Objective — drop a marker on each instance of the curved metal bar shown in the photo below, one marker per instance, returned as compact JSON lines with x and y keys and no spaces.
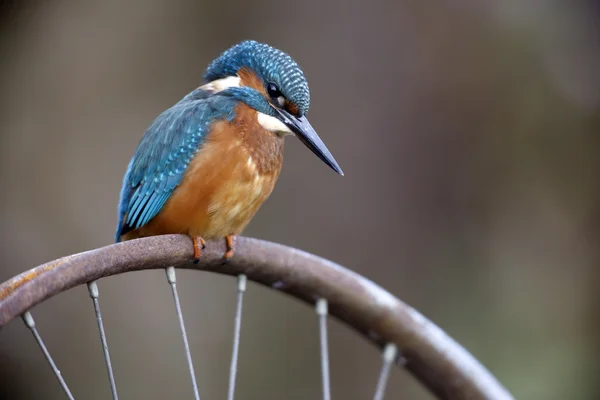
{"x":441,"y":364}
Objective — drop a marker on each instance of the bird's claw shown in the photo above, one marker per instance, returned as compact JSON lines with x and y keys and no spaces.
{"x":230,"y":244}
{"x":199,"y":245}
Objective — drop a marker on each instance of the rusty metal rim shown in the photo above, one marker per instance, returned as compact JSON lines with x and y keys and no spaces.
{"x":441,"y":364}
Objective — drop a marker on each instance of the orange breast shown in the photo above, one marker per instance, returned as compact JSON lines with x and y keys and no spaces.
{"x":225,"y":184}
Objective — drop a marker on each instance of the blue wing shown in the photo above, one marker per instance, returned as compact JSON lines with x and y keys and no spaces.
{"x":164,"y":154}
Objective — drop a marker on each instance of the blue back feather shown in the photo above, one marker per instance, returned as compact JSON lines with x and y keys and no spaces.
{"x":164,"y":154}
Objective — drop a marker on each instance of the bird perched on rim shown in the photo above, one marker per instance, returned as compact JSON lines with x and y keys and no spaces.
{"x":205,"y":165}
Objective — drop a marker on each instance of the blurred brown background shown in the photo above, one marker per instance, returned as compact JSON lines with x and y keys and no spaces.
{"x":468,"y":132}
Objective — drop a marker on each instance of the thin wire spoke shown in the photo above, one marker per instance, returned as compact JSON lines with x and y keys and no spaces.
{"x":389,"y":355}
{"x":241,"y":288}
{"x":94,"y":294}
{"x":321,"y":308}
{"x":172,"y":280}
{"x":30,"y":323}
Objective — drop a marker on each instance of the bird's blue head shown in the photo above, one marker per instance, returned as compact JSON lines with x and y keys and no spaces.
{"x":272,"y":83}
{"x":280,"y":76}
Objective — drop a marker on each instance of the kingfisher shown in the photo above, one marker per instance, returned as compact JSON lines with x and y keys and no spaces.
{"x":205,"y":166}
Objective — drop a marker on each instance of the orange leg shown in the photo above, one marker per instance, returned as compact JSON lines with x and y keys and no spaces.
{"x":230,"y":243}
{"x":199,"y":245}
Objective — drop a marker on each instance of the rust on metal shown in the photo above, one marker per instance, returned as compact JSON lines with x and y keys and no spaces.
{"x":13,"y":284}
{"x":426,"y":351}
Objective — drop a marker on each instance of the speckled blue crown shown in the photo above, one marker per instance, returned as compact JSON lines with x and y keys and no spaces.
{"x":270,"y":64}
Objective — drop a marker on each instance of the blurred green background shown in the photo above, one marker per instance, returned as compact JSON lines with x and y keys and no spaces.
{"x":468,"y":132}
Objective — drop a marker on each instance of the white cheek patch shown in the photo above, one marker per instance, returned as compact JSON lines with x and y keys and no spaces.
{"x":222,"y":84}
{"x":272,"y":124}
{"x":268,"y":122}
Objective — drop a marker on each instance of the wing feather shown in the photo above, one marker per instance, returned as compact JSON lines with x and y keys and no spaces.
{"x":163,"y":155}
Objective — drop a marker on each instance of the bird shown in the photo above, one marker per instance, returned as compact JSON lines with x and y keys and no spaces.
{"x":205,"y":166}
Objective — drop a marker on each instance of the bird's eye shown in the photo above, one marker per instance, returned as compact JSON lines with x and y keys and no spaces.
{"x":273,"y":91}
{"x":275,"y":94}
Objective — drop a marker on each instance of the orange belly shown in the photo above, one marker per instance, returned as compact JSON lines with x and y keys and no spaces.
{"x":224,"y":185}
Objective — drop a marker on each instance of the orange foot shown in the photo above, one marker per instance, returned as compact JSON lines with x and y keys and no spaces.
{"x":230,"y":243}
{"x":199,"y":245}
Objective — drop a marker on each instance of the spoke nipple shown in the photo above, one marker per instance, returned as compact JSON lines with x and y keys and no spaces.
{"x":242,"y":279}
{"x":93,"y":289}
{"x":171,"y":275}
{"x":28,"y":319}
{"x":390,"y":352}
{"x":321,"y":306}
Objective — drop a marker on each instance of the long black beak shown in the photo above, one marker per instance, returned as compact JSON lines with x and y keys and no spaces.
{"x":307,"y":135}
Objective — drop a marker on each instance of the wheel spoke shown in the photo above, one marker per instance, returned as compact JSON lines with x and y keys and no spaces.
{"x":389,"y":355}
{"x":241,"y":288}
{"x":321,"y":308}
{"x":94,"y":293}
{"x":172,"y":280}
{"x":30,"y":323}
